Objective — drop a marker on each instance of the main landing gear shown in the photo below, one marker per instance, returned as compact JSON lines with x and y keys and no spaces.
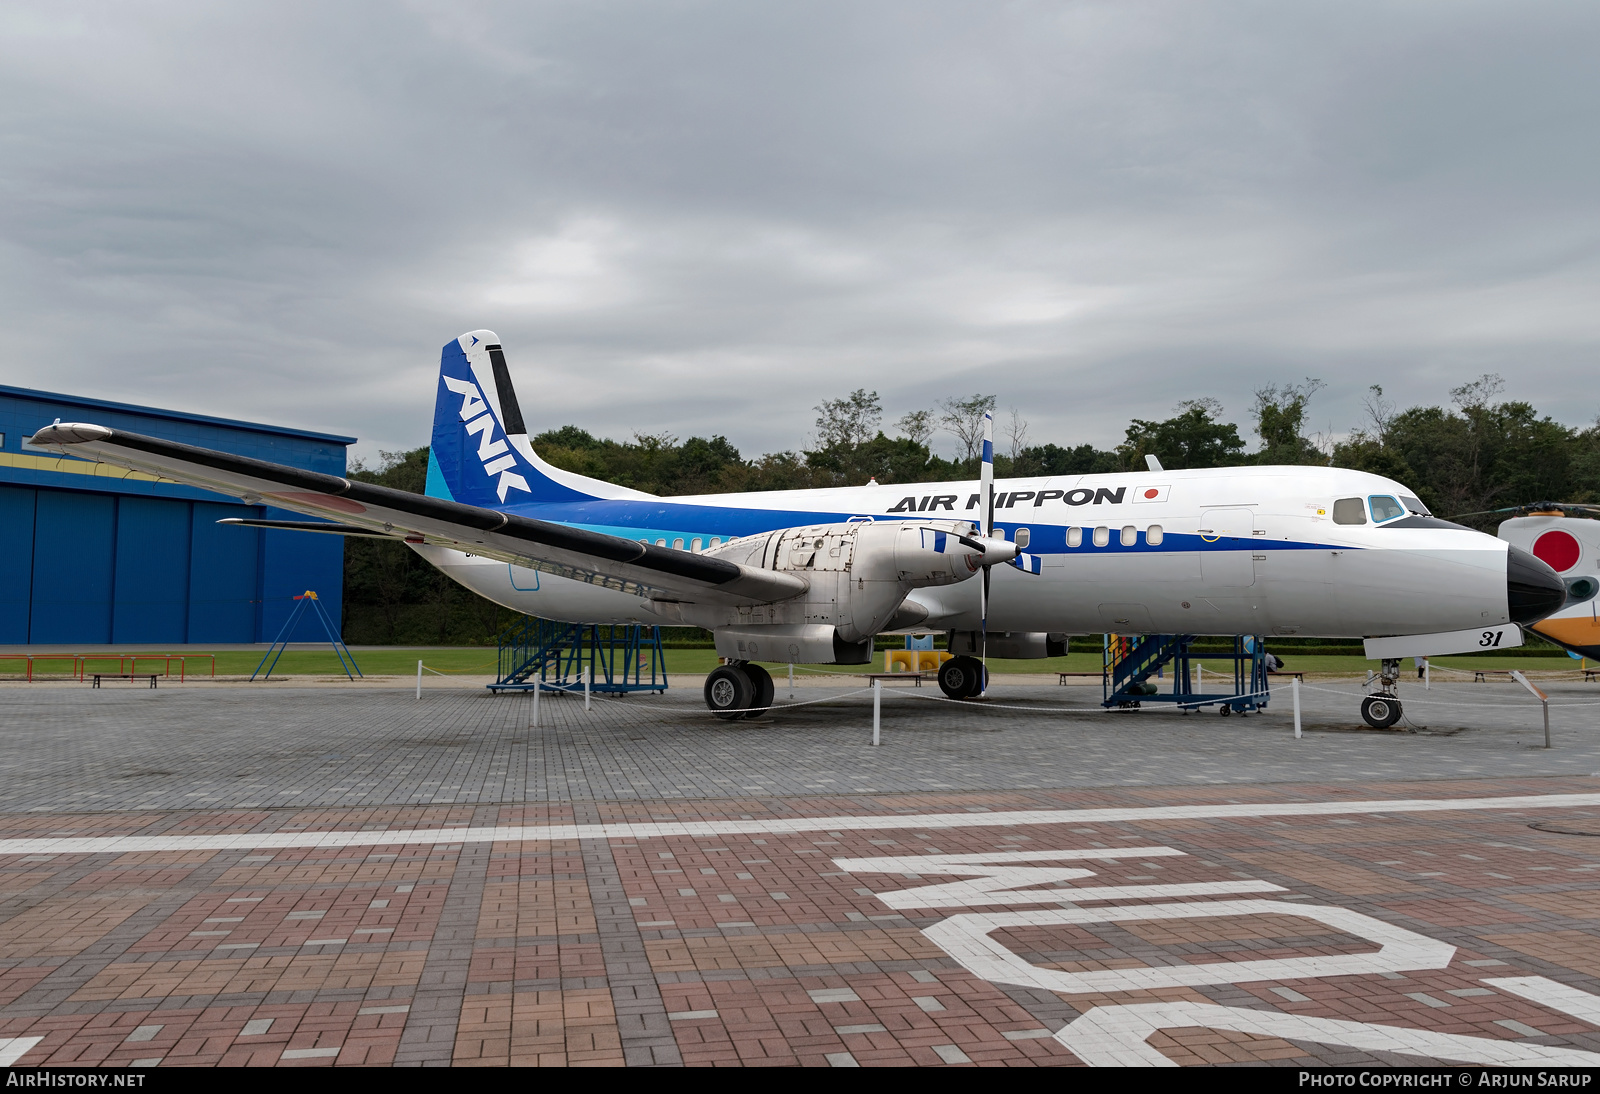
{"x":1382,"y":709}
{"x":961,"y":677}
{"x":739,"y":690}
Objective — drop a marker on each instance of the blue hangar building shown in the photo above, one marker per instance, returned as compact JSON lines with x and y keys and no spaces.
{"x":91,"y":554}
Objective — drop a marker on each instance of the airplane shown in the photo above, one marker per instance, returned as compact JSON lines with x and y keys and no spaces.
{"x":1570,"y":545}
{"x":1008,"y":569}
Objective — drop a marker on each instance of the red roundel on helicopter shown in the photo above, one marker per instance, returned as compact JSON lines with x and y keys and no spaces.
{"x":1558,"y":549}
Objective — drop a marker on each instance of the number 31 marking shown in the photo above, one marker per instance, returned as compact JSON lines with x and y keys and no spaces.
{"x":1490,"y":638}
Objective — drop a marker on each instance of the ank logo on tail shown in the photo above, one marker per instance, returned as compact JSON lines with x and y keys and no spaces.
{"x":493,"y":454}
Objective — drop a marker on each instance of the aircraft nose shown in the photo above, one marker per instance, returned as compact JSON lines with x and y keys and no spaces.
{"x":1533,"y":590}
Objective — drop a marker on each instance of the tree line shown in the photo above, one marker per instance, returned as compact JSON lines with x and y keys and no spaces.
{"x":1478,"y":452}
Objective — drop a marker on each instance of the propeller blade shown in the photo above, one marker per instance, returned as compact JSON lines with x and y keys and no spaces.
{"x":986,"y":482}
{"x":1028,"y":564}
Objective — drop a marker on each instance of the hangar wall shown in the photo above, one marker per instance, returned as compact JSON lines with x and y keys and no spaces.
{"x":91,"y":554}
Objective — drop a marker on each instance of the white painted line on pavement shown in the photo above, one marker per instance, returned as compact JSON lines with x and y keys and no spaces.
{"x":239,"y":841}
{"x":13,"y":1049}
{"x":1546,"y":992}
{"x":1117,"y":1036}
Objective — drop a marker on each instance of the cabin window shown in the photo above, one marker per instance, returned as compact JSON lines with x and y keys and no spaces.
{"x":1102,"y":536}
{"x":1021,"y":537}
{"x":1385,"y":508}
{"x":1074,"y":537}
{"x":1153,"y":535}
{"x":661,"y":543}
{"x":1130,"y":535}
{"x":677,"y":545}
{"x":1349,"y":511}
{"x":716,"y":541}
{"x":694,"y":545}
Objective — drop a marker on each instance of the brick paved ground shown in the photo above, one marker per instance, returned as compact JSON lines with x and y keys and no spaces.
{"x":757,"y":940}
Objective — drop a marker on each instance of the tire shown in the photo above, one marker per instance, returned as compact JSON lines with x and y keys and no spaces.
{"x":1380,"y":711}
{"x":728,"y":692}
{"x":961,"y":677}
{"x":762,"y":690}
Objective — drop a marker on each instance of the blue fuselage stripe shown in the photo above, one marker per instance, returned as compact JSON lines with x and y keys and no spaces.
{"x":668,"y":521}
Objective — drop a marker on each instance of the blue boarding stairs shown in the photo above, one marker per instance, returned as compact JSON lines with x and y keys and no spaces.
{"x":1132,"y":660}
{"x":552,"y":656}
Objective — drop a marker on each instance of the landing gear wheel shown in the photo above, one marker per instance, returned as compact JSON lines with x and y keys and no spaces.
{"x":763,"y":690}
{"x":961,"y":677}
{"x":1380,"y":711}
{"x":729,"y":691}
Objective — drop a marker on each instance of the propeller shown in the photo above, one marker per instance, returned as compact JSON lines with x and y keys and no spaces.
{"x":986,"y":499}
{"x":991,"y":551}
{"x":1533,"y":507}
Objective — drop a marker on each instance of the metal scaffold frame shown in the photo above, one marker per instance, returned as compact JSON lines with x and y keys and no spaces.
{"x":1130,"y":661}
{"x":347,"y":660}
{"x":552,"y":656}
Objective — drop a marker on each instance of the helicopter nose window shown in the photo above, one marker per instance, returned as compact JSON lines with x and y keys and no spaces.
{"x":1385,"y":508}
{"x":1349,"y":511}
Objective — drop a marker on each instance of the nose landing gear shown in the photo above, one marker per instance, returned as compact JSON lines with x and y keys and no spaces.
{"x":1382,"y":709}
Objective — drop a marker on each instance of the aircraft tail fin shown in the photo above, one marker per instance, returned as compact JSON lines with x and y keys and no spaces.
{"x":480,"y":454}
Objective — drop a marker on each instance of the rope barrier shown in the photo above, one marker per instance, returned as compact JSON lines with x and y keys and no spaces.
{"x":1446,"y":703}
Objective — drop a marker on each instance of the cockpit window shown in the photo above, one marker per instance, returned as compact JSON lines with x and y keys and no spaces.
{"x":1415,"y":506}
{"x":1349,"y":511}
{"x":1385,"y":508}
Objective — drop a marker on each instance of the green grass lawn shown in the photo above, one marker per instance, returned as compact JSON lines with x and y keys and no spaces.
{"x":480,"y":661}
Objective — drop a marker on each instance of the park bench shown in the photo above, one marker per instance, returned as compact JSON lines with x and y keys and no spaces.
{"x":915,"y":677}
{"x":152,"y":677}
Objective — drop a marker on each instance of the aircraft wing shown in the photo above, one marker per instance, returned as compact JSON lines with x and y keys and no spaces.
{"x":645,"y":570}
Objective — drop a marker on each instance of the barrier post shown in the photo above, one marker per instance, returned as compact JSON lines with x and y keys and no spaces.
{"x":588,"y":682}
{"x":791,"y":679}
{"x":1295,"y":688}
{"x":538,"y":686}
{"x":419,"y":679}
{"x":1544,"y":701}
{"x":877,"y":710}
{"x":1427,"y":675}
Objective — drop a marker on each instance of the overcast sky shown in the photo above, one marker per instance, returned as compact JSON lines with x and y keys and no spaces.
{"x":704,"y":218}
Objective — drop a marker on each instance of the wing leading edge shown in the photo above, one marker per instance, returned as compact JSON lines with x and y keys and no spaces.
{"x":657,"y":573}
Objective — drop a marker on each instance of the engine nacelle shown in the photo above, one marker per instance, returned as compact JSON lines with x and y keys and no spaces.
{"x":858,"y":576}
{"x":1014,"y":645}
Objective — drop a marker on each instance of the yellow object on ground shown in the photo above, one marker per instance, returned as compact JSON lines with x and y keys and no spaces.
{"x":914,"y":660}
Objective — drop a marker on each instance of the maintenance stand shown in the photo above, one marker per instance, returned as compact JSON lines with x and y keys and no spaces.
{"x":552,"y":656}
{"x":1130,"y":661}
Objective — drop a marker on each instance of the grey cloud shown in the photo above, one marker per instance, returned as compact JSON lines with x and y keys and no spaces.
{"x":705,"y":218}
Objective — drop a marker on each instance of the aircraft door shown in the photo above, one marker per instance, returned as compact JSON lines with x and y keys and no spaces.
{"x":1228,"y":536}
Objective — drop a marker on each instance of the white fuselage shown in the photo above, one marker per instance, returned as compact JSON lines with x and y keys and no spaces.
{"x":1252,"y":550}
